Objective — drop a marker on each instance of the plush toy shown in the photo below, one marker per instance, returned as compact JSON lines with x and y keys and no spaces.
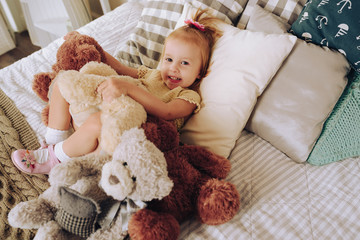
{"x":71,"y":207}
{"x":73,"y":54}
{"x":198,"y":188}
{"x":79,"y":90}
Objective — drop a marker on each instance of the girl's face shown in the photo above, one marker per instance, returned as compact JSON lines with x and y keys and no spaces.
{"x":180,"y":64}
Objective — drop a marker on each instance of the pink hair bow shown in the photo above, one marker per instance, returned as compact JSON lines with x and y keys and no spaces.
{"x":191,"y":22}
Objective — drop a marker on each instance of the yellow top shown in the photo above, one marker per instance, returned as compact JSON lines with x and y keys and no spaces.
{"x":151,"y":79}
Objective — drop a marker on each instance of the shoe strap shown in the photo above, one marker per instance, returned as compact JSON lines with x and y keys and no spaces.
{"x":52,"y":155}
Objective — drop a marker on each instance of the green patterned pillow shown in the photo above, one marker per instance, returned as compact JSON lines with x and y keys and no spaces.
{"x":335,"y":24}
{"x":341,"y":133}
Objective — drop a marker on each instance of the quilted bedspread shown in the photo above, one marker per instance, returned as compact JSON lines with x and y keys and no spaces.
{"x":280,"y":199}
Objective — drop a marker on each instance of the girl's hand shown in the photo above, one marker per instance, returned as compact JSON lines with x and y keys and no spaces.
{"x":113,"y":88}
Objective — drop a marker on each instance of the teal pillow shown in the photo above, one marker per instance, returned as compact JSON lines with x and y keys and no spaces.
{"x":340,"y":137}
{"x":335,"y":24}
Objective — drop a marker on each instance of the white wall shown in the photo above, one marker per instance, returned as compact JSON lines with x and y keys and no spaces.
{"x":96,"y":7}
{"x":12,"y":12}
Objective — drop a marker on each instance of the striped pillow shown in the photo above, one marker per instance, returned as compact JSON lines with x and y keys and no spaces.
{"x":286,"y":9}
{"x":158,"y":19}
{"x":224,"y":9}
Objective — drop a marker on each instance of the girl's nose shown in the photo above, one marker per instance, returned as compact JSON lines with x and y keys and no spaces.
{"x":174,"y":67}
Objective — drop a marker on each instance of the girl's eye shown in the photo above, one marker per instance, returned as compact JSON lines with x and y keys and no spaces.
{"x":185,"y":63}
{"x":168,"y":59}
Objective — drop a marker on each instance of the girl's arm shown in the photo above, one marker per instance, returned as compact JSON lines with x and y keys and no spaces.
{"x":120,"y":68}
{"x":177,"y":108}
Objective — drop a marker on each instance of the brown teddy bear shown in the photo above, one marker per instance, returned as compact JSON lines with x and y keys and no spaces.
{"x":73,"y":54}
{"x":198,"y":188}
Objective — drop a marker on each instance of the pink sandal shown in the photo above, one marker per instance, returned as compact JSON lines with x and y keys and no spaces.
{"x":25,"y":161}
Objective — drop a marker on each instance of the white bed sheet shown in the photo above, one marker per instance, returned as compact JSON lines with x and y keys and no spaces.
{"x":280,"y":199}
{"x":110,"y":30}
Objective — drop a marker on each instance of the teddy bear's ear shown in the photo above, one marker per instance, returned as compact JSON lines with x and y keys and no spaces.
{"x":71,"y":35}
{"x":45,"y":115}
{"x":77,"y":214}
{"x":88,"y":53}
{"x":41,"y":83}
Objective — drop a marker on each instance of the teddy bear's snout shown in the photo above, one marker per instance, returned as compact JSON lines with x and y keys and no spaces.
{"x":113,"y":180}
{"x":116,"y":180}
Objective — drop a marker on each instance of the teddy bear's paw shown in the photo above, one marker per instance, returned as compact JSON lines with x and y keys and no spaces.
{"x":79,"y":89}
{"x":149,"y":225}
{"x":88,"y":53}
{"x":114,"y":231}
{"x":88,"y":186}
{"x":53,"y":231}
{"x":116,"y":180}
{"x":218,"y":202}
{"x":66,"y":173}
{"x":104,"y":234}
{"x":31,"y":214}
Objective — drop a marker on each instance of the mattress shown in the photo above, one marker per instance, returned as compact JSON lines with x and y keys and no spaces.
{"x":280,"y":199}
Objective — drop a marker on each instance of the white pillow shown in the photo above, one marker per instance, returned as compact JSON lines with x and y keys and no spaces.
{"x":291,"y":112}
{"x":242,"y":65}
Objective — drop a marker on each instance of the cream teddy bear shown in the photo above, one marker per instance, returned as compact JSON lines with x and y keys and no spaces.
{"x":137,"y":171}
{"x":79,"y":90}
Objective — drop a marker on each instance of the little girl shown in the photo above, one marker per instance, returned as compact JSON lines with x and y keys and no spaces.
{"x":172,"y":95}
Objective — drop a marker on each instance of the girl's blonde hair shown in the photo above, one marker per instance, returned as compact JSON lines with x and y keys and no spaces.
{"x":205,"y":39}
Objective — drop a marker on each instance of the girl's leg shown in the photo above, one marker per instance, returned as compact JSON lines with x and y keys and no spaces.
{"x":85,"y":139}
{"x":59,"y":116}
{"x":58,"y":128}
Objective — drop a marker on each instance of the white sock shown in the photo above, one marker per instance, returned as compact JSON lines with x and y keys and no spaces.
{"x":41,"y":155}
{"x":53,"y":136}
{"x":59,"y":152}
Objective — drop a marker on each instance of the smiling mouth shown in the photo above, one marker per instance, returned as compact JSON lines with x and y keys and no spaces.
{"x":174,"y":79}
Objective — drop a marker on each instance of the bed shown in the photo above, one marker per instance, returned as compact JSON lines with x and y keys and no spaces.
{"x":297,"y":178}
